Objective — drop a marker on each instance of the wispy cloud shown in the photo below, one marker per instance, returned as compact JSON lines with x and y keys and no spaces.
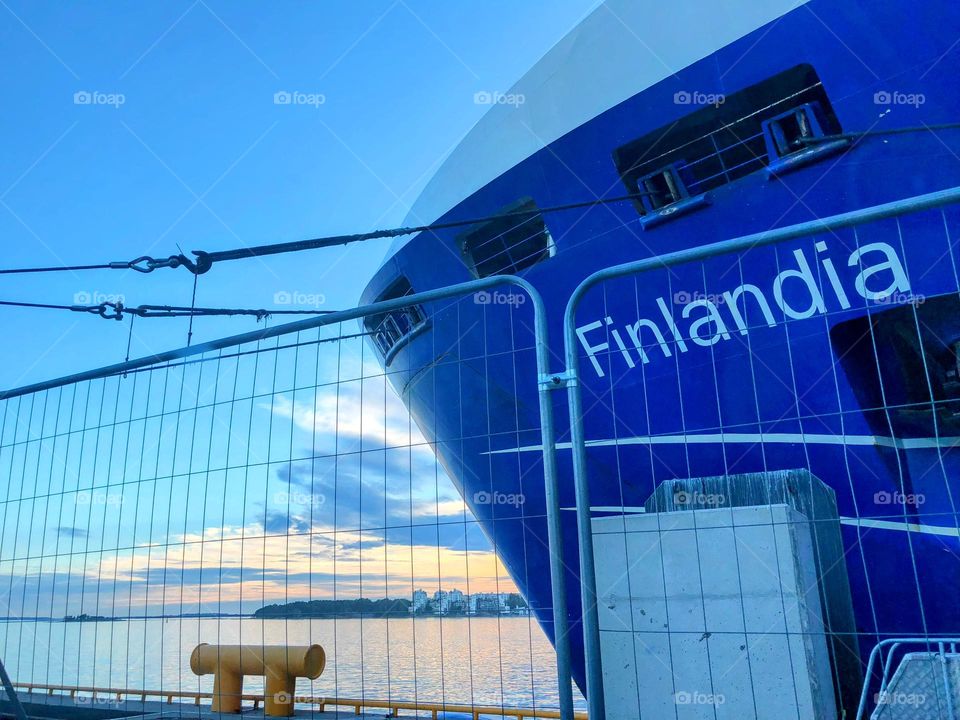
{"x":240,"y":568}
{"x":352,"y":417}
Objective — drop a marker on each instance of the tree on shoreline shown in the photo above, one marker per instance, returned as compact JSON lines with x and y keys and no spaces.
{"x":336,"y":608}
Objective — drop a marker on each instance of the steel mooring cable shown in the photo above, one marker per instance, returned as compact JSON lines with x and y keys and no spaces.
{"x":116,"y":311}
{"x":203,"y":261}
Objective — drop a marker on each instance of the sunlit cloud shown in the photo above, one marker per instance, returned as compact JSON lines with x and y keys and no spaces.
{"x":326,"y":492}
{"x":360,"y":415}
{"x":238,"y":569}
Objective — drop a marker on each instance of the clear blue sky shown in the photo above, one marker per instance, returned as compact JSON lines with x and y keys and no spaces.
{"x":199,"y":155}
{"x":182,"y":145}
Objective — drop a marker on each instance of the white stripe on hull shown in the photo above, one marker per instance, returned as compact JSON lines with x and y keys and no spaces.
{"x":856,"y":522}
{"x":901,"y":526}
{"x":756,"y":439}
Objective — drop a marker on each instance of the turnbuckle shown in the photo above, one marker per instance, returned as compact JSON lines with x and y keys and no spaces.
{"x":106,"y":310}
{"x":147,"y":264}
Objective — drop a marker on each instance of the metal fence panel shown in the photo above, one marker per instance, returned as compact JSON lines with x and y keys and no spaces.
{"x":195,"y":496}
{"x":826,"y":350}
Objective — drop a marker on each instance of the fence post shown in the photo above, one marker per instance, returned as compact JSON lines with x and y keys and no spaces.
{"x":561,"y":629}
{"x":588,"y":577}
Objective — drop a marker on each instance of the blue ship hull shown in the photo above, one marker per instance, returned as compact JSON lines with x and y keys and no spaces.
{"x":829,"y":386}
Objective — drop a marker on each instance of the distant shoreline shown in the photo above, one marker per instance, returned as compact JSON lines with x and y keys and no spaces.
{"x":382,"y":608}
{"x":325,"y":609}
{"x":399,"y":616}
{"x":117,"y":618}
{"x":251,"y":616}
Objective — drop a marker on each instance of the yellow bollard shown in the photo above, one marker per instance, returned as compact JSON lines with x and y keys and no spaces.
{"x":280,"y":664}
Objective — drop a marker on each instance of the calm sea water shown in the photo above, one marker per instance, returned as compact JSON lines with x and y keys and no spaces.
{"x":488,"y":661}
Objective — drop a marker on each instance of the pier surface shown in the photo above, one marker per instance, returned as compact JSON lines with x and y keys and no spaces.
{"x":63,"y":707}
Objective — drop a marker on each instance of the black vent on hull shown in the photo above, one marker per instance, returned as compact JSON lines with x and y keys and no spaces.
{"x":507,"y":245}
{"x":906,"y":359}
{"x":723,"y":142}
{"x":393,"y":329}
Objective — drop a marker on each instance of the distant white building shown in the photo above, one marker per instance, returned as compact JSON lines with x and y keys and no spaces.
{"x":452,"y":601}
{"x":455,"y":602}
{"x":488,"y":603}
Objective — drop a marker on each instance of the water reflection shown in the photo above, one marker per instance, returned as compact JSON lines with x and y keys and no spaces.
{"x":488,"y":661}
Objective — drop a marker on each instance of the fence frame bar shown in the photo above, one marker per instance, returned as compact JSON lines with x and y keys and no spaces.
{"x":15,"y":703}
{"x":168,"y":696}
{"x":588,"y":579}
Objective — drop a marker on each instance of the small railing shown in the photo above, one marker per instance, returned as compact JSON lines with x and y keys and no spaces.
{"x":358,"y":704}
{"x":890,"y":646}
